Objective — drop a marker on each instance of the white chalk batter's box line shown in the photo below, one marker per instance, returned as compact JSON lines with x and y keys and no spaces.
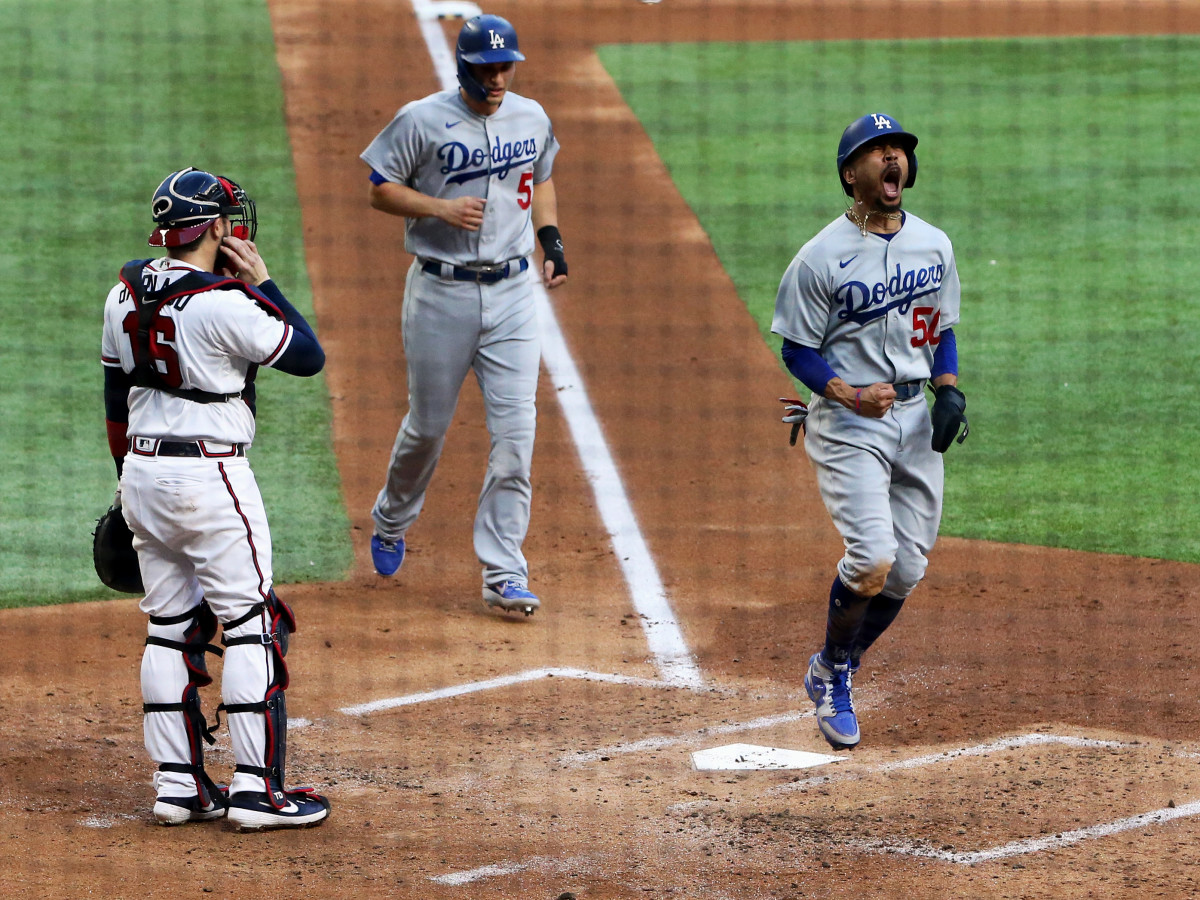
{"x":504,"y":681}
{"x":1015,"y":848}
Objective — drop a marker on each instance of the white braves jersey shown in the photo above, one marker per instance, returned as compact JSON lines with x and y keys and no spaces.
{"x":208,"y":342}
{"x":873,"y":308}
{"x":441,"y":147}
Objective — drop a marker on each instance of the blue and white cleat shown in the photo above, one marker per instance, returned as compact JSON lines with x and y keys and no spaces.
{"x":181,"y":810}
{"x":829,"y":687}
{"x":511,"y":596}
{"x":387,"y":555}
{"x":299,"y":808}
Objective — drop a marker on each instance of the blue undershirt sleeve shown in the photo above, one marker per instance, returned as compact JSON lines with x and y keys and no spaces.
{"x":117,"y":383}
{"x":303,"y":355}
{"x":807,"y":365}
{"x":945,"y":355}
{"x":376,"y":178}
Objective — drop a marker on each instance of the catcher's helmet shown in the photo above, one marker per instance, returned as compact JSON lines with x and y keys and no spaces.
{"x":868,"y":130}
{"x":484,"y":39}
{"x":189,"y":201}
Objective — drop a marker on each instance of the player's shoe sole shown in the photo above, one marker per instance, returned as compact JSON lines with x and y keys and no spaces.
{"x":181,"y":810}
{"x":252,"y":811}
{"x":511,"y":596}
{"x":829,"y":688}
{"x":387,"y":556}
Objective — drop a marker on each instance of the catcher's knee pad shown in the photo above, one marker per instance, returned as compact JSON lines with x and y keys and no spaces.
{"x":253,"y":683}
{"x":186,"y":635}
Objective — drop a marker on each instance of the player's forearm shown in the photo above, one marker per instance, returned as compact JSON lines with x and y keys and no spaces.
{"x":839,"y":392}
{"x":401,"y":200}
{"x":545,"y":205}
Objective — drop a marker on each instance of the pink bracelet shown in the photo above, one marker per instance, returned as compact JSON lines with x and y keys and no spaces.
{"x":858,"y":400}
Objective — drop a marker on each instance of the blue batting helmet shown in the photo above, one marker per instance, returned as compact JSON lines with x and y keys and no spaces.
{"x":868,"y":130}
{"x":484,"y":39}
{"x":190,"y":200}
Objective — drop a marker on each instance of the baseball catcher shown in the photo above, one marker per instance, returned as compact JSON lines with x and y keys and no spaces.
{"x":184,"y":337}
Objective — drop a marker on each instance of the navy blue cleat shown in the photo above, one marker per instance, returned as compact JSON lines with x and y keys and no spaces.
{"x":299,"y":808}
{"x":387,"y":555}
{"x":828,"y":686}
{"x":511,"y":596}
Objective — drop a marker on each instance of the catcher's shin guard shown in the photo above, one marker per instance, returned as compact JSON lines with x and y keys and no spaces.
{"x":173,"y":671}
{"x":253,"y":685}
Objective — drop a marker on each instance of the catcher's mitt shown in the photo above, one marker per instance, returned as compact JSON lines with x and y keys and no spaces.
{"x":113,"y":554}
{"x":948,"y":413}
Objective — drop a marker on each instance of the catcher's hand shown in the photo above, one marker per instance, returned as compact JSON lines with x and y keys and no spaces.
{"x":113,"y":555}
{"x":949,"y":412}
{"x":797,"y":412}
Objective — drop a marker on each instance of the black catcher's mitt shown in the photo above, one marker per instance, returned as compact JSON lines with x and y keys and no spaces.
{"x":949,"y":412}
{"x":113,"y":554}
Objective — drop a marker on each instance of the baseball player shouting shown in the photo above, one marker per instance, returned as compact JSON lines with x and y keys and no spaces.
{"x":866,"y":311}
{"x":184,"y":336}
{"x":470,"y":172}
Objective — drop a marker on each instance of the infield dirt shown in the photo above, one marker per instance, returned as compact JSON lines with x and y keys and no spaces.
{"x":545,"y":780}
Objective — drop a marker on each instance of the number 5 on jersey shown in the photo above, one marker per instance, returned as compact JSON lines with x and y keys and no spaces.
{"x":525,"y":191}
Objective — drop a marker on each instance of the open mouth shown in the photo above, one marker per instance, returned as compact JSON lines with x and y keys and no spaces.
{"x":891,"y":182}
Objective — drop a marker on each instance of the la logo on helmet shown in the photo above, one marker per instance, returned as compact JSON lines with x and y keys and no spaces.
{"x":881,"y":121}
{"x":497,"y":39}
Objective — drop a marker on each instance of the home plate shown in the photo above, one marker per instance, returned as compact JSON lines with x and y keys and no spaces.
{"x":749,"y":756}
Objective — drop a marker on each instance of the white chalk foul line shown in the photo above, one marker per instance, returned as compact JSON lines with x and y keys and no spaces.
{"x":502,"y":681}
{"x":1050,"y":842}
{"x":663,"y":632}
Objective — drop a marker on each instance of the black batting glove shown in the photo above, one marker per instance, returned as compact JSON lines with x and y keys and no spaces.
{"x":552,"y":246}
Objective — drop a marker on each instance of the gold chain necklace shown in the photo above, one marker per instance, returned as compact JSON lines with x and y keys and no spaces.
{"x":862,"y":223}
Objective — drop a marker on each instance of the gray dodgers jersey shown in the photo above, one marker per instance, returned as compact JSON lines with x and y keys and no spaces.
{"x":440,"y":147}
{"x":873,"y":308}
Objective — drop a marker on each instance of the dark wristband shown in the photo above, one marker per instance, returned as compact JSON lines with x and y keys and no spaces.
{"x":552,"y":246}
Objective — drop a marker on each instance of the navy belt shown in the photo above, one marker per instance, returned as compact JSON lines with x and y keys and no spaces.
{"x":906,"y":390}
{"x":477,"y":274}
{"x":144,"y":446}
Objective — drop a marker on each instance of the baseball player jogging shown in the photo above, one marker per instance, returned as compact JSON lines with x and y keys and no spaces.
{"x":184,"y":336}
{"x":470,"y":172}
{"x":866,"y":311}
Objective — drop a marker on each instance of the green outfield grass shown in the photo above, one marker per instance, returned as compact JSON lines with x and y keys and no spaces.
{"x":102,"y":100}
{"x":1064,"y":172}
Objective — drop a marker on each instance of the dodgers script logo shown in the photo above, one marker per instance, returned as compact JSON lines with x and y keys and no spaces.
{"x":463,"y":163}
{"x":862,"y":303}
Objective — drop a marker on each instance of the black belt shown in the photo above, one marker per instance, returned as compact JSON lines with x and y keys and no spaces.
{"x":144,"y":446}
{"x":478,"y":274}
{"x":906,"y":390}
